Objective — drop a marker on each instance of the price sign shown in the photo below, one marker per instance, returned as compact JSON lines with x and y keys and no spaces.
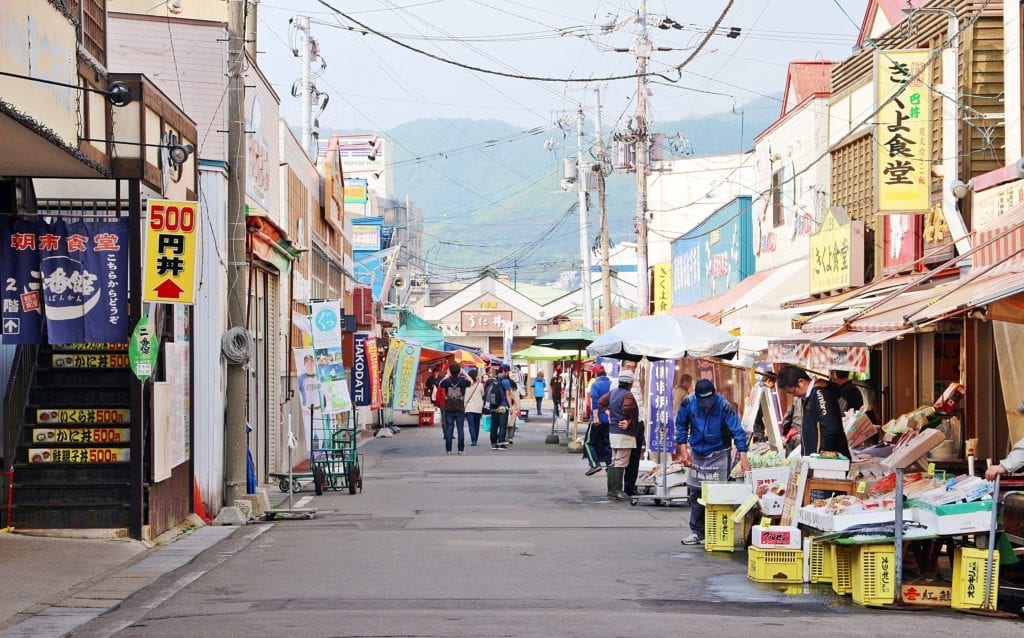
{"x":169,"y":266}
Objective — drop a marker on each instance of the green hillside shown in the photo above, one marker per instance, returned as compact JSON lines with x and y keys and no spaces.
{"x":489,"y":191}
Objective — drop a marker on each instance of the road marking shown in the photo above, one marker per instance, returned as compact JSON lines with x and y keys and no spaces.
{"x":302,"y":501}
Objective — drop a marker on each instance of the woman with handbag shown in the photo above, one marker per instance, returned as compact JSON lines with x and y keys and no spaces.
{"x":474,"y":406}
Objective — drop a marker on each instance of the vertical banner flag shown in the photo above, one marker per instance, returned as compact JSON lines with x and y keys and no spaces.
{"x":373,"y":373}
{"x":405,"y":377}
{"x":662,"y":434}
{"x":360,"y":372}
{"x":662,"y":288}
{"x":325,"y":324}
{"x":388,"y":376}
{"x":506,"y":341}
{"x":77,"y":274}
{"x":611,"y":366}
{"x":903,"y":133}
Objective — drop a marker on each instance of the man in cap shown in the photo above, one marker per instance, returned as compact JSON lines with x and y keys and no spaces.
{"x":502,"y":393}
{"x":595,"y":444}
{"x":704,"y":424}
{"x":623,"y":426}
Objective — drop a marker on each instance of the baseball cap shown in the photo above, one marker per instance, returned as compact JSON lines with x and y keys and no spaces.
{"x":504,"y":368}
{"x":597,"y":368}
{"x":625,"y":376}
{"x":705,"y":391}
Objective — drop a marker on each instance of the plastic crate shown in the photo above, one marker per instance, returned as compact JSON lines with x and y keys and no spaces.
{"x":820,"y":562}
{"x":873,"y":575}
{"x":775,"y":565}
{"x":969,"y":578}
{"x":841,"y":558}
{"x":719,"y":530}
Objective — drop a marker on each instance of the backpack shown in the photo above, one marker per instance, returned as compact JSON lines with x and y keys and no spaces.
{"x":454,"y":401}
{"x":494,"y":395}
{"x":439,"y":396}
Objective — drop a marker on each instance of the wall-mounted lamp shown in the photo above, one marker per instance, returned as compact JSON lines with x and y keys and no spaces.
{"x":960,"y":188}
{"x":177,"y":154}
{"x":117,"y":93}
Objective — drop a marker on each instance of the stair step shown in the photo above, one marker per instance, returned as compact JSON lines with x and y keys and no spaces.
{"x":70,"y":517}
{"x":65,"y":378}
{"x":51,"y":473}
{"x":78,"y":496}
{"x":81,"y":396}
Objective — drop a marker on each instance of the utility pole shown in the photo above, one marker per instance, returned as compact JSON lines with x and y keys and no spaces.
{"x":238,"y":266}
{"x":581,"y":174}
{"x":306,"y":85}
{"x":606,"y":279}
{"x":642,"y":51}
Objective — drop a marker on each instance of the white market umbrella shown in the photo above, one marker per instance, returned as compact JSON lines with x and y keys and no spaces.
{"x":664,"y":337}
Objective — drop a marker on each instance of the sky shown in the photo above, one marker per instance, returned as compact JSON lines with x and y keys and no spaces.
{"x":375,"y":84}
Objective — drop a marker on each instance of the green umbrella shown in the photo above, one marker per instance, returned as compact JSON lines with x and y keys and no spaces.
{"x":577,"y":339}
{"x":540,"y":353}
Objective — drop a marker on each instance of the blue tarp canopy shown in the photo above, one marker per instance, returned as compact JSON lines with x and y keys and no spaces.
{"x":411,"y":326}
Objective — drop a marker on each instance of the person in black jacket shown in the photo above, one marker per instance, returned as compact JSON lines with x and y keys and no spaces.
{"x":822,"y":427}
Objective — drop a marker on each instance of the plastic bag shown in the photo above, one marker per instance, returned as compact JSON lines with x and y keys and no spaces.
{"x":485,"y":423}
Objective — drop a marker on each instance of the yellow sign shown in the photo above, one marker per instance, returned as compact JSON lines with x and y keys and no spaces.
{"x":79,"y":455}
{"x":81,"y":435}
{"x":903,"y":132}
{"x":169,"y":264}
{"x":662,"y":288}
{"x":83,"y":416}
{"x":837,"y":253}
{"x":105,"y":361}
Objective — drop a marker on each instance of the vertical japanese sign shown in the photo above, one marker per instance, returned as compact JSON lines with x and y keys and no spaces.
{"x":73,"y":274}
{"x":395,"y":346}
{"x":903,"y":133}
{"x":169,"y":266}
{"x":836,"y":253}
{"x":360,"y":372}
{"x":373,"y":373}
{"x":662,"y":288}
{"x":325,"y":322}
{"x":407,"y":364}
{"x":662,"y":434}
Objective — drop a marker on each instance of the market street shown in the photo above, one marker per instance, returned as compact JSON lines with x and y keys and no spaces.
{"x":514,"y":543}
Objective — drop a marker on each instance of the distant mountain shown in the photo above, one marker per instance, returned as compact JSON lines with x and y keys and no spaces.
{"x":492,"y":198}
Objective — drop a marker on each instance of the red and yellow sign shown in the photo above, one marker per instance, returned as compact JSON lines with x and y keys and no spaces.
{"x":82,"y":416}
{"x":903,"y":132}
{"x":81,"y":435}
{"x":80,"y":455}
{"x":169,"y":264}
{"x":102,"y":361}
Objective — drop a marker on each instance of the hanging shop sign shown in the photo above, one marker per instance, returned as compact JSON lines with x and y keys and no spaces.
{"x":714,"y":256}
{"x":58,"y":436}
{"x":356,"y":191}
{"x":837,"y":253}
{"x":360,"y":372}
{"x":169,"y":264}
{"x":662,"y":434}
{"x":143,"y":348}
{"x":406,"y":366}
{"x":901,"y":242}
{"x":99,"y":361}
{"x":366,"y":237}
{"x":992,"y":203}
{"x":662,"y":288}
{"x":903,"y":132}
{"x":73,"y":274}
{"x":822,"y":358}
{"x":79,"y":455}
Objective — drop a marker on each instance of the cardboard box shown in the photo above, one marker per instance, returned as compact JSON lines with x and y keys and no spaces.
{"x":956,"y":518}
{"x":771,"y":504}
{"x":776,"y":537}
{"x":725,"y":493}
{"x":767,"y":477}
{"x":826,"y":521}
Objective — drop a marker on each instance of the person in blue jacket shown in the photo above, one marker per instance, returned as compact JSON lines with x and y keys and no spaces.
{"x":705,"y":423}
{"x":596,"y":447}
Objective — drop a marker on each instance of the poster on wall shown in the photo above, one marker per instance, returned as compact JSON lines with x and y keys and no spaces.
{"x":309,"y":402}
{"x":177,"y":373}
{"x":662,"y":434}
{"x":73,"y":274}
{"x":162,"y":445}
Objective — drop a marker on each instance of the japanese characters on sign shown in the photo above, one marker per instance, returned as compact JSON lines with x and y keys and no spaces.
{"x":79,"y":455}
{"x":360,"y":372}
{"x":903,"y":132}
{"x":837,"y":253}
{"x":83,"y":416}
{"x":169,"y":267}
{"x":662,"y":434}
{"x":373,"y":365}
{"x":73,"y":274}
{"x":485,"y":320}
{"x":81,"y":435}
{"x":405,"y":377}
{"x":143,"y":348}
{"x":662,"y":288}
{"x":102,"y":361}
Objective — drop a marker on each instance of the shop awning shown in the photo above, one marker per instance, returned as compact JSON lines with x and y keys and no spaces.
{"x":423,"y":332}
{"x":711,"y":309}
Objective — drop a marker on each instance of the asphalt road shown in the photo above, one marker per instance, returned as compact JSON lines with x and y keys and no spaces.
{"x":514,"y":543}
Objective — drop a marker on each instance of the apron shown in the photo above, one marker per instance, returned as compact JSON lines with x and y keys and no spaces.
{"x":714,"y":467}
{"x":621,"y":441}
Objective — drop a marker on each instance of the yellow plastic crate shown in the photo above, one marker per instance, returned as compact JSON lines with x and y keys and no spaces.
{"x":969,"y":578}
{"x":775,"y":565}
{"x":873,"y":575}
{"x":841,"y":559}
{"x":719,"y":530}
{"x":820,"y":562}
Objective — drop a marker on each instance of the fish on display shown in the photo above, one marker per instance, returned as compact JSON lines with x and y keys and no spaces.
{"x":872,"y":530}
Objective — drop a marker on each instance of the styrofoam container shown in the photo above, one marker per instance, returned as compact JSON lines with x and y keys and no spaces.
{"x":726,"y":493}
{"x":955,"y":518}
{"x":767,"y":477}
{"x":827,"y":521}
{"x":776,"y":537}
{"x":829,"y":474}
{"x":833,"y":465}
{"x":771,"y":504}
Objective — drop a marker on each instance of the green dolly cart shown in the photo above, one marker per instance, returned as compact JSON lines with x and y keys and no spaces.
{"x":334,"y":458}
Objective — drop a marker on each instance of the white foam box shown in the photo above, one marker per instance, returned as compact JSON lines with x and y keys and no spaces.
{"x":725,"y":493}
{"x":828,"y":465}
{"x":771,"y":505}
{"x":767,"y":476}
{"x":826,"y":521}
{"x":955,"y":518}
{"x":829,"y":474}
{"x":776,"y":537}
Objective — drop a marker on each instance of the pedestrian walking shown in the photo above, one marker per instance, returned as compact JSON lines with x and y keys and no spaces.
{"x":454,"y":386}
{"x":822,"y":427}
{"x":624,"y":424}
{"x":704,"y":424}
{"x":633,"y":466}
{"x":498,"y":400}
{"x":596,"y":449}
{"x":474,"y":406}
{"x":540,"y":387}
{"x":556,"y":392}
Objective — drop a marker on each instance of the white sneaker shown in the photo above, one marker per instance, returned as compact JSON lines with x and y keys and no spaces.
{"x":692,"y":539}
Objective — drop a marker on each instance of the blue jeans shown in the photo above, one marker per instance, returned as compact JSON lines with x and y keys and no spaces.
{"x":539,"y":400}
{"x":499,"y":427}
{"x":451,"y":420}
{"x":473,"y":425}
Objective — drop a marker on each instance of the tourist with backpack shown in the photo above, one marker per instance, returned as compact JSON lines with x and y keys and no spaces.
{"x":497,"y":401}
{"x":454,"y":386}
